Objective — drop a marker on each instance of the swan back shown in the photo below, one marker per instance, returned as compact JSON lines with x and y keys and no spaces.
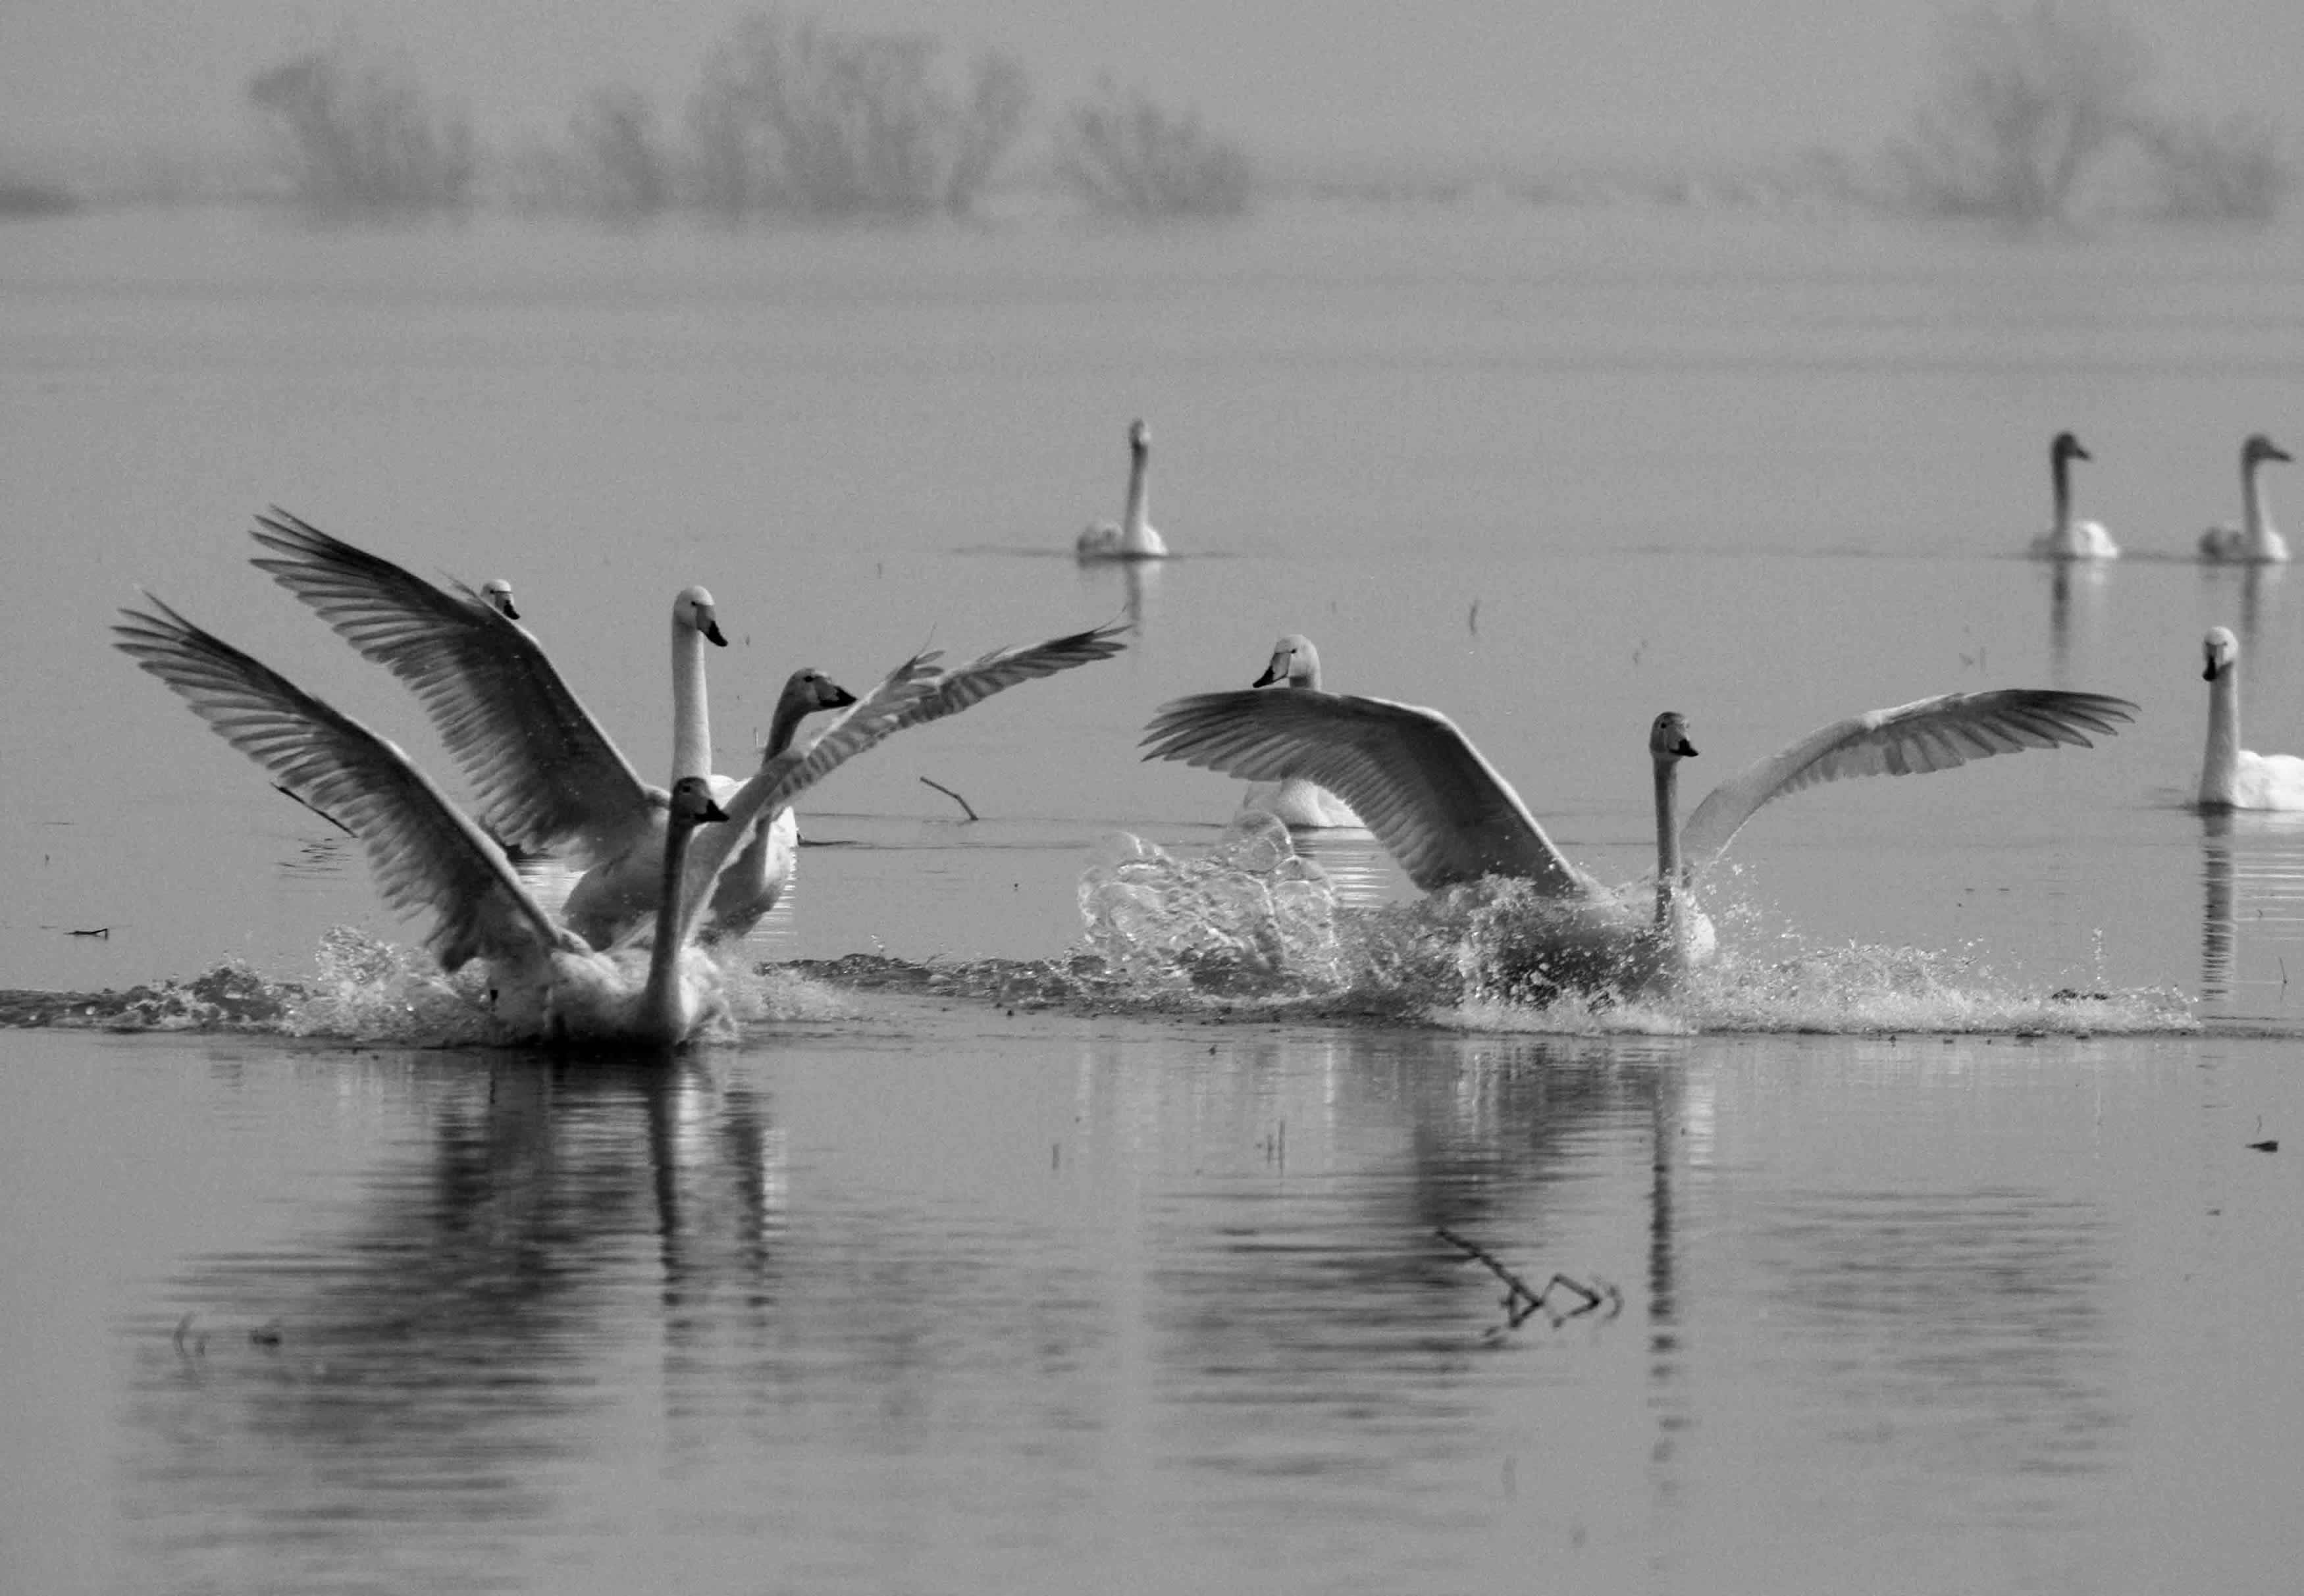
{"x":1929,"y":734}
{"x":1439,"y":808}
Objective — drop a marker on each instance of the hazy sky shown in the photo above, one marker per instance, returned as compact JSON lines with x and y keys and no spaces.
{"x":1501,"y":78}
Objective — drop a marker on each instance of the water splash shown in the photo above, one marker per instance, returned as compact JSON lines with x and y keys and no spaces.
{"x":1251,"y":915}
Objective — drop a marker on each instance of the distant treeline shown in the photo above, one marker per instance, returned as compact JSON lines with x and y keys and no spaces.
{"x":794,"y":116}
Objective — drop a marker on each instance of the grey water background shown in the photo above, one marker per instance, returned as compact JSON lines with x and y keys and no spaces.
{"x":910,"y":1293}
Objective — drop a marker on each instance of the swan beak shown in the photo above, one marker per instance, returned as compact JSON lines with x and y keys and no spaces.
{"x":711,"y":630}
{"x":837,"y":697}
{"x":711,"y":812}
{"x":2079,"y":452}
{"x":511,"y":610}
{"x":1271,"y":674}
{"x":1686,"y":750}
{"x":2277,"y":453}
{"x":2208,"y":673}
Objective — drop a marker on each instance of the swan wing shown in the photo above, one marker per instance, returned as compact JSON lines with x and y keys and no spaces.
{"x":545,"y":775}
{"x":428,"y":857}
{"x":1435,"y":804}
{"x":1933,"y":734}
{"x":966,"y":686}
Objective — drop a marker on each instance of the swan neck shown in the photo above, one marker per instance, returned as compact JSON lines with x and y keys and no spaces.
{"x":1668,"y":882}
{"x":657,"y":1000}
{"x":1132,"y":522}
{"x":2220,"y":765}
{"x":2059,"y":468}
{"x":691,"y":711}
{"x":2251,"y":500}
{"x":790,"y":714}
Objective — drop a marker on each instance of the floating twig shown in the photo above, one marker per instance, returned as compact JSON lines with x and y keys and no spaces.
{"x":316,"y":809}
{"x":1521,"y":1301}
{"x":954,"y":796}
{"x":103,"y":931}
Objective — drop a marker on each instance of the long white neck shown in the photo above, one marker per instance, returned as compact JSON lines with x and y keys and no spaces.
{"x":2220,"y":765}
{"x":691,"y":711}
{"x":2060,"y":468}
{"x":1131,"y":524}
{"x":2251,"y":501}
{"x":660,"y":998}
{"x":1669,"y":896}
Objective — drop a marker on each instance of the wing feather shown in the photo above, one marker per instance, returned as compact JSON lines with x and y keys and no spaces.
{"x":427,"y":857}
{"x":1439,"y":808}
{"x":1932,"y":734}
{"x":965,"y":685}
{"x":545,"y":775}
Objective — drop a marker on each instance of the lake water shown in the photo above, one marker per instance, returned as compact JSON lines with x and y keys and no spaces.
{"x":1909,"y":1273}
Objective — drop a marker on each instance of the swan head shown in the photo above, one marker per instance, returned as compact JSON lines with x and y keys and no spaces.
{"x":692,"y":804}
{"x":2259,"y":448}
{"x":693,"y":609}
{"x":1140,"y":437}
{"x":498,"y":594}
{"x":2221,"y":650}
{"x":2067,"y":447}
{"x":809,"y":689}
{"x":1295,"y":662}
{"x":1668,"y":741}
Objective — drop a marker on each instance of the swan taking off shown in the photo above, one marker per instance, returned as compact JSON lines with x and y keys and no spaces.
{"x":547,"y":777}
{"x":1294,"y":801}
{"x":2066,"y":538}
{"x":1445,"y":815}
{"x":2254,"y":540}
{"x":1131,"y":537}
{"x":2232,"y":777}
{"x":545,"y":983}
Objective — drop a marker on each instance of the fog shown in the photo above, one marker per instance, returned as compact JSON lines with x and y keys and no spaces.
{"x":87,"y":83}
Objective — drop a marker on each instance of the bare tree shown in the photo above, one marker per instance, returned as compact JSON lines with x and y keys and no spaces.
{"x":622,"y":170}
{"x":1125,"y":155}
{"x":363,"y":134}
{"x":2026,"y":100}
{"x":2205,"y":170}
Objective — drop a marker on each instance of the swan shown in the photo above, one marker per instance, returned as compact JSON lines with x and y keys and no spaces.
{"x":2254,"y":539}
{"x":497,"y":595}
{"x":548,"y":777}
{"x":2232,"y":777}
{"x":1132,"y":537}
{"x":2066,"y":538}
{"x":1294,"y":801}
{"x":1445,"y":815}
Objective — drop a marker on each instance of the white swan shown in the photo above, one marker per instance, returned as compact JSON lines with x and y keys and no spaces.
{"x":1132,"y":537}
{"x":497,"y":592}
{"x":548,"y":777}
{"x":2254,"y":539}
{"x":1443,"y":812}
{"x":2066,"y":538}
{"x":2232,"y":777}
{"x":1296,"y":802}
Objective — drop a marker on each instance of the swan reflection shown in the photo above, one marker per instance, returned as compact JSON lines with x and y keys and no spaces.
{"x":2252,"y":875}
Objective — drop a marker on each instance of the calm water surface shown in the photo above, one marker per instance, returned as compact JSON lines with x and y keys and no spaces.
{"x":907,"y":1295}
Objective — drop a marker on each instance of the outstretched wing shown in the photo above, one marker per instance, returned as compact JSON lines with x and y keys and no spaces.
{"x":427,"y":857}
{"x":1439,"y":808}
{"x":965,"y":685}
{"x":1934,"y":734}
{"x":545,"y":775}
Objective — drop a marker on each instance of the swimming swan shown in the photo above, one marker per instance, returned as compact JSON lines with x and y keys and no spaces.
{"x":546,"y":983}
{"x":2232,"y":777}
{"x":1296,"y":802}
{"x":2066,"y":538}
{"x":2254,"y":539}
{"x":1132,"y":537}
{"x":548,"y":777}
{"x":1442,"y":811}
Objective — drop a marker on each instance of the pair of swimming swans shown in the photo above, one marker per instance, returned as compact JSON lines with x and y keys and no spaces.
{"x":1446,"y":817}
{"x":2232,"y":777}
{"x":1131,"y":537}
{"x":2253,"y":540}
{"x":548,"y":982}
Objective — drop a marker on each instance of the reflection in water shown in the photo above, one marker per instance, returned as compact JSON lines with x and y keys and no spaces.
{"x":1138,"y":581}
{"x":2075,"y":604}
{"x":2252,"y":873}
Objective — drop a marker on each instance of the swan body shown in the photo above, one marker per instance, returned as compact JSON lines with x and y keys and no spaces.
{"x":1446,"y":817}
{"x":546,"y":983}
{"x":2232,"y":777}
{"x":547,"y":777}
{"x":1297,"y":803}
{"x":2253,"y":541}
{"x":1131,"y":537}
{"x":2068,"y":538}
{"x":757,"y":880}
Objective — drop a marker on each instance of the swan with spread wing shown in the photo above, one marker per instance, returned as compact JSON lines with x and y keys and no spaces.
{"x":1446,"y":817}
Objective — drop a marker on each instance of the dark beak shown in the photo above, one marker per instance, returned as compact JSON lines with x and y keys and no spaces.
{"x":712,"y":811}
{"x":2080,"y":454}
{"x":511,"y":610}
{"x":2208,"y":671}
{"x":1687,"y":749}
{"x":712,"y":631}
{"x":841,"y":698}
{"x":1271,"y":674}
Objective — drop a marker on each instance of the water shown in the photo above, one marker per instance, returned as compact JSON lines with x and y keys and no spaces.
{"x":917,"y":1287}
